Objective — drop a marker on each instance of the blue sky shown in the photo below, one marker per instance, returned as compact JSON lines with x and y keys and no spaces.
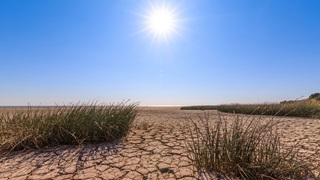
{"x":248,"y":51}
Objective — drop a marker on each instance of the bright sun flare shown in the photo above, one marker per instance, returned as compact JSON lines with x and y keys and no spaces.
{"x":161,"y":21}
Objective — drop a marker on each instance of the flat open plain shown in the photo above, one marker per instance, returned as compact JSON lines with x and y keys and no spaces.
{"x":154,"y":149}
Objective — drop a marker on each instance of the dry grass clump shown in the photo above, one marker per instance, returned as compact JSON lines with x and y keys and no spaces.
{"x":245,"y":148}
{"x":35,"y":128}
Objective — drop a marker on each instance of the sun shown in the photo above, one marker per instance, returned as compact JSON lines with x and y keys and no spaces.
{"x":161,"y":21}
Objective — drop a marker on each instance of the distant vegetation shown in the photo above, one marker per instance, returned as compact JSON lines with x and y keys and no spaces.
{"x":309,"y":109}
{"x":315,"y":96}
{"x":300,"y":108}
{"x":35,"y":128}
{"x":198,"y":108}
{"x":245,"y":148}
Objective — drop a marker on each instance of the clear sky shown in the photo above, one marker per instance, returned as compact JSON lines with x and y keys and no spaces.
{"x":216,"y":52}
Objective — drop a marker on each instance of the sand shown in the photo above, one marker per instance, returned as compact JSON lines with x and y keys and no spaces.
{"x":155,"y":148}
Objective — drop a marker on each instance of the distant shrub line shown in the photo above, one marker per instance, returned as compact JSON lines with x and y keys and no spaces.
{"x":199,"y":108}
{"x":309,"y":109}
{"x":315,"y":96}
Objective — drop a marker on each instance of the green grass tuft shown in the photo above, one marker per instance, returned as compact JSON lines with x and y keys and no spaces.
{"x":35,"y":128}
{"x":245,"y":148}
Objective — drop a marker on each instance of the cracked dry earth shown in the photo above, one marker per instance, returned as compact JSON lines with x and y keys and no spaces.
{"x":154,"y":149}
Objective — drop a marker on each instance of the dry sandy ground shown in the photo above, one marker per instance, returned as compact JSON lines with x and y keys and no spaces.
{"x":154,"y":149}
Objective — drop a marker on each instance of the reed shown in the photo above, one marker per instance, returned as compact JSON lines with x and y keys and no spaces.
{"x":245,"y":148}
{"x":35,"y":128}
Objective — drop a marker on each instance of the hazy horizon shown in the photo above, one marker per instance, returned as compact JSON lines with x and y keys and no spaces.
{"x":175,"y":52}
